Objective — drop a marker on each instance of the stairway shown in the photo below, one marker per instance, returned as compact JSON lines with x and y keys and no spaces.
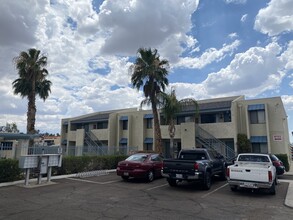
{"x":94,"y":145}
{"x":208,"y":141}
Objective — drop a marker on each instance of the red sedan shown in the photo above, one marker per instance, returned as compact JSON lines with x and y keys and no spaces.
{"x":141,"y":165}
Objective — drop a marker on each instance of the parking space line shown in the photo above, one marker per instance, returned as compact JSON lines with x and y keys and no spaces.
{"x":205,"y":195}
{"x":155,"y":187}
{"x":89,"y":181}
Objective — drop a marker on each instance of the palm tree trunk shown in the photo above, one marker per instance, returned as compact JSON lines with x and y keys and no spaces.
{"x":31,"y":113}
{"x":171,"y":129}
{"x":157,"y":130}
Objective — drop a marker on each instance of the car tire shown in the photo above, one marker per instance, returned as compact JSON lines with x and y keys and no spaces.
{"x":150,"y":176}
{"x":272,"y":190}
{"x":233,"y":188}
{"x":172,"y":182}
{"x":223,"y":174}
{"x":125,"y":177}
{"x":207,"y":182}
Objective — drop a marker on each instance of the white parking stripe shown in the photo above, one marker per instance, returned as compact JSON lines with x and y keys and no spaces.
{"x":89,"y":181}
{"x":157,"y":187}
{"x":205,"y":195}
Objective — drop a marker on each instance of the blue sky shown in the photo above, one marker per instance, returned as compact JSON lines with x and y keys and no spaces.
{"x":216,"y":48}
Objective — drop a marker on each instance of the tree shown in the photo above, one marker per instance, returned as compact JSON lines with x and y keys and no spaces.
{"x":170,"y":107}
{"x":150,"y":72}
{"x":31,"y":82}
{"x":9,"y":128}
{"x":244,"y":145}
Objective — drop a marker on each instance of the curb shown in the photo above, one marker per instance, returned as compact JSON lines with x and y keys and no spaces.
{"x":77,"y":175}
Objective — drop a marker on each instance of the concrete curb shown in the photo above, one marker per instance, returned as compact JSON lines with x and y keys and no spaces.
{"x":77,"y":175}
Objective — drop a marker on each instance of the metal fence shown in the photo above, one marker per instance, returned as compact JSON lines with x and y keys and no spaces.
{"x":98,"y":151}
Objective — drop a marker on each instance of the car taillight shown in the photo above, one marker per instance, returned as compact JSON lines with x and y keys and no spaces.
{"x":270,"y":176}
{"x":196,"y":166}
{"x":277,"y":163}
{"x":228,"y":172}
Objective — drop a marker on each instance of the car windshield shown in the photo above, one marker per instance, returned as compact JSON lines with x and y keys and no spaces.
{"x":193,"y":156}
{"x":137,"y":157}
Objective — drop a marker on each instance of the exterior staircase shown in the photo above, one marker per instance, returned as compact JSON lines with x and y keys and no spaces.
{"x":94,"y":145}
{"x":208,"y":141}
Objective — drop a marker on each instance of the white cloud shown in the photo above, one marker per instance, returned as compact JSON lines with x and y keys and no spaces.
{"x":235,"y":1}
{"x":251,"y":73}
{"x":209,"y":56}
{"x":243,"y":18}
{"x":233,"y":35}
{"x":276,"y":18}
{"x":152,"y":23}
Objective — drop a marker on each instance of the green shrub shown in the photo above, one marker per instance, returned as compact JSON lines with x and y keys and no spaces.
{"x":9,"y":170}
{"x":284,"y":159}
{"x":73,"y":164}
{"x":243,"y":144}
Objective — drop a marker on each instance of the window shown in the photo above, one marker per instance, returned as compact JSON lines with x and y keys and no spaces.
{"x":6,"y":146}
{"x":257,"y":117}
{"x":259,"y":148}
{"x":124,"y":124}
{"x":102,"y":125}
{"x":149,"y":123}
{"x":208,"y":118}
{"x":148,"y":147}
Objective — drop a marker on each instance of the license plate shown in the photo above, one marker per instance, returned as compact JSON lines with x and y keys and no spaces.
{"x":179,"y":176}
{"x":126,"y":174}
{"x":248,"y":185}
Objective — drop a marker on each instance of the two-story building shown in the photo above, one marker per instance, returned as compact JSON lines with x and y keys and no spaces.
{"x":218,"y":123}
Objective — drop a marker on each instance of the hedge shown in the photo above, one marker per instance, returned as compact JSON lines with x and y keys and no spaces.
{"x":77,"y":164}
{"x":9,"y":170}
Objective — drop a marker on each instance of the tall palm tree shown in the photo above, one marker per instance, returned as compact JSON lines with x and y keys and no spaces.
{"x":150,"y":72}
{"x":31,"y":82}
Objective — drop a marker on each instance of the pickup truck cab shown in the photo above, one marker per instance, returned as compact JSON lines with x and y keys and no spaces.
{"x":252,"y":171}
{"x":198,"y":164}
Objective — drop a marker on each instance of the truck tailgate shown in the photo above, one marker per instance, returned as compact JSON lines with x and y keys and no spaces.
{"x":178,"y":166}
{"x":250,"y":172}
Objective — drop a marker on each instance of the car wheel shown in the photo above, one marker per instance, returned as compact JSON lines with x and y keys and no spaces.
{"x":223,"y":174}
{"x":207,"y":181}
{"x":233,"y":188}
{"x":172,"y":182}
{"x":272,"y":190}
{"x":150,"y":176}
{"x":125,"y":177}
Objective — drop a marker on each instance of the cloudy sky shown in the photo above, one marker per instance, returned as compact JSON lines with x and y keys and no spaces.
{"x":216,"y":48}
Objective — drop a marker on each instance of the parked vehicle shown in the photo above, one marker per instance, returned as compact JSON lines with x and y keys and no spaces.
{"x":197,"y":165}
{"x":280,"y":168}
{"x":252,"y":171}
{"x":141,"y":165}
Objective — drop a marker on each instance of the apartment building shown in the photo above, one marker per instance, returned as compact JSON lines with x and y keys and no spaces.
{"x":220,"y":120}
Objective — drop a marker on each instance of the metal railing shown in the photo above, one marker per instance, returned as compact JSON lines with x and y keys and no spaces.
{"x":210,"y":142}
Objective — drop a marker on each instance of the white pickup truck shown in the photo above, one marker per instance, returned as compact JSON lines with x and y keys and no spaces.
{"x":252,"y":171}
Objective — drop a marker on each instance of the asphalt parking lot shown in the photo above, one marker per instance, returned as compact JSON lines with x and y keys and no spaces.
{"x":109,"y":197}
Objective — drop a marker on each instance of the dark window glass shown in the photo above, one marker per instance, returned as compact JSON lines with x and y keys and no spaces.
{"x":149,"y":123}
{"x":125,"y":125}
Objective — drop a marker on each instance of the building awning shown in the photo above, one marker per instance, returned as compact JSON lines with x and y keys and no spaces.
{"x":148,"y":116}
{"x":256,"y":107}
{"x":258,"y":139}
{"x":124,"y":118}
{"x":148,"y":140}
{"x":123,"y":141}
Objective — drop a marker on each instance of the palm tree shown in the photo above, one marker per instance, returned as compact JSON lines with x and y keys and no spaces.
{"x":171,"y":106}
{"x":150,"y":72}
{"x":31,"y":82}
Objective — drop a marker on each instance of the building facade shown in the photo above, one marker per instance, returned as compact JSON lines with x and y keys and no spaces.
{"x":263,"y":121}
